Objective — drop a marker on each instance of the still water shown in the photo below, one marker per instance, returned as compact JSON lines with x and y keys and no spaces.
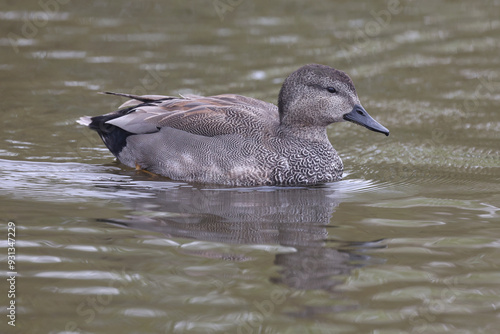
{"x":408,"y":242}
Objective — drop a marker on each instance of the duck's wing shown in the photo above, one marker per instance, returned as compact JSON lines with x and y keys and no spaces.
{"x":206,"y":116}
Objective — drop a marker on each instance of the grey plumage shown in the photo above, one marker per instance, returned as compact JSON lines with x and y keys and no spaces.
{"x":237,"y":140}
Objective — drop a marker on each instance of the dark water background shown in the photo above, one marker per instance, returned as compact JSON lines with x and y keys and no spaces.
{"x":408,"y":242}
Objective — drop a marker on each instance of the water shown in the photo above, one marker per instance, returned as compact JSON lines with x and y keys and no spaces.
{"x":406,"y":243}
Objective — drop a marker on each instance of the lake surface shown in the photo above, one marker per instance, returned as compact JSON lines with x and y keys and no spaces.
{"x":408,"y":242}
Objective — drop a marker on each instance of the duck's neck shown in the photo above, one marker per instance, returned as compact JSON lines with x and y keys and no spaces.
{"x":305,"y":132}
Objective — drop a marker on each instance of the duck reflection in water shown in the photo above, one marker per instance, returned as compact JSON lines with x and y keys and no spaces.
{"x":299,"y":218}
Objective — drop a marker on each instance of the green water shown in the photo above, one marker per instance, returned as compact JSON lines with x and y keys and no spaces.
{"x":408,"y":242}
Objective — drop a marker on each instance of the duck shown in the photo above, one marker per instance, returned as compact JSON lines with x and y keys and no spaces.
{"x":236,"y":140}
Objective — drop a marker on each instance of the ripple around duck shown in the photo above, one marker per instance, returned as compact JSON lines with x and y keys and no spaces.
{"x":433,"y":165}
{"x":458,"y":180}
{"x":46,"y":181}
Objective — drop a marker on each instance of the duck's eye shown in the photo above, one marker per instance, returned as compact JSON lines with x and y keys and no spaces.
{"x":331,"y":89}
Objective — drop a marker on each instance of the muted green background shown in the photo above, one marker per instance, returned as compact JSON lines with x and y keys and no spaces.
{"x":408,"y":242}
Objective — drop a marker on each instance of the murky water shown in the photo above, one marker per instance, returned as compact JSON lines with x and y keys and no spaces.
{"x":408,"y":242}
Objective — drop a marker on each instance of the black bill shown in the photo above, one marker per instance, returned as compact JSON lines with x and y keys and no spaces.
{"x":359,"y":116}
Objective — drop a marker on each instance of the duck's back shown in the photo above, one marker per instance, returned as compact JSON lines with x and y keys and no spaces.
{"x":206,"y":116}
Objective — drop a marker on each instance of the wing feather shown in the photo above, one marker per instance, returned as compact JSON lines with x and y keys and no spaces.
{"x":207,"y":116}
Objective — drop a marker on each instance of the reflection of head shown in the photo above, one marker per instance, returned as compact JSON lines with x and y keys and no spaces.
{"x":313,"y":268}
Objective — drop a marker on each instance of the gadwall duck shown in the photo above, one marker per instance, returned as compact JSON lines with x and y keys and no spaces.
{"x":237,"y":140}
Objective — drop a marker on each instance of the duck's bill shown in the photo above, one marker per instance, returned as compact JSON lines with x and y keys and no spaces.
{"x":359,"y":116}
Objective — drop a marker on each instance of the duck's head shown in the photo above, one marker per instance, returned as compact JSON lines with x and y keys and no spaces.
{"x":318,"y":95}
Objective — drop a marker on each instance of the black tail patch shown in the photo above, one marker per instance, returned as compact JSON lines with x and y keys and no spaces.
{"x":113,"y":137}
